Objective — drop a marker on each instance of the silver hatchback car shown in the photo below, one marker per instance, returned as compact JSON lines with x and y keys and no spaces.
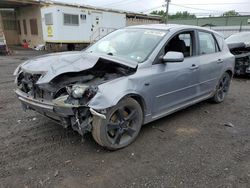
{"x":130,"y":77}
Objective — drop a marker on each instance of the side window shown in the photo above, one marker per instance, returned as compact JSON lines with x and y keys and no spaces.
{"x":207,"y":43}
{"x":182,"y":42}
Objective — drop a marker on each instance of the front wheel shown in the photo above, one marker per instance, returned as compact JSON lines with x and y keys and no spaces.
{"x":121,"y":126}
{"x":222,"y":88}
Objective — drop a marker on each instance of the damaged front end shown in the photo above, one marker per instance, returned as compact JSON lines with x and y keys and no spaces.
{"x":241,"y":51}
{"x":66,"y":97}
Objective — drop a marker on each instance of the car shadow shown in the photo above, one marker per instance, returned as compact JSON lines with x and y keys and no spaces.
{"x":242,"y":77}
{"x":160,"y":124}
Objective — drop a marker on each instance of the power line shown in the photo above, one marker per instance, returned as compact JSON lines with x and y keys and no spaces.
{"x":118,"y":2}
{"x":178,"y":5}
{"x":154,"y":8}
{"x":194,"y":8}
{"x":218,"y":3}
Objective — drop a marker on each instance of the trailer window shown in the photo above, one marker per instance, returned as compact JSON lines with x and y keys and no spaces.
{"x":48,"y":19}
{"x":83,"y":17}
{"x":71,"y":19}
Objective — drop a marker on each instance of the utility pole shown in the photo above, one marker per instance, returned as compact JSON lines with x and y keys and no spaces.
{"x":167,"y":8}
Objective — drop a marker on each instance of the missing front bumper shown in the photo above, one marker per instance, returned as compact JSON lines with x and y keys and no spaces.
{"x":44,"y":107}
{"x":79,"y":118}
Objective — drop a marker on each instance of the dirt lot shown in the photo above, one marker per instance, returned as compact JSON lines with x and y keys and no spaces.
{"x":191,"y":148}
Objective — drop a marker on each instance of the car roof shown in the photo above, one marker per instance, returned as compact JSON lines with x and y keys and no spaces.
{"x":241,"y":33}
{"x":169,"y":27}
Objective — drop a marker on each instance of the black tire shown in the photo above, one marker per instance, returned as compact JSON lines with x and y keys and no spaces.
{"x":121,"y":126}
{"x":222,"y":88}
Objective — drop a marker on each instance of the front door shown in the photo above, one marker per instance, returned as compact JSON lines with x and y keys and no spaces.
{"x":177,"y":83}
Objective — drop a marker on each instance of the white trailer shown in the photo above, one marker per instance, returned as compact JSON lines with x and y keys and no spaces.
{"x":66,"y":26}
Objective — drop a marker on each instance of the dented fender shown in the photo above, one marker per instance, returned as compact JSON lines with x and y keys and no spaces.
{"x":110,"y":93}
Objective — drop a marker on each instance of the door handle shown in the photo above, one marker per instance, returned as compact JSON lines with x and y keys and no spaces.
{"x":193,"y":67}
{"x":220,"y":61}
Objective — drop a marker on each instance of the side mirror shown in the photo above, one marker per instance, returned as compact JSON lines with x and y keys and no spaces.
{"x":173,"y":57}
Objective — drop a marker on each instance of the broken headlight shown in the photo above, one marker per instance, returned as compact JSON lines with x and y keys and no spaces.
{"x":18,"y":70}
{"x":78,"y":91}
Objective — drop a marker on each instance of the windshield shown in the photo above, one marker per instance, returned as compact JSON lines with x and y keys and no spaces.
{"x":130,"y":44}
{"x":238,"y":38}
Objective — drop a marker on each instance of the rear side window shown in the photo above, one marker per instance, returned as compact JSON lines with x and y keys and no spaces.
{"x":207,"y":43}
{"x":220,"y":41}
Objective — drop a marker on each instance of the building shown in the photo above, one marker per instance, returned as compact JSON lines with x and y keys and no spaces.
{"x":60,"y":25}
{"x":225,"y":25}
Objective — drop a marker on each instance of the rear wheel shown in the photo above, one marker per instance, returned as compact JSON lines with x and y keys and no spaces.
{"x":222,"y":88}
{"x":121,"y":126}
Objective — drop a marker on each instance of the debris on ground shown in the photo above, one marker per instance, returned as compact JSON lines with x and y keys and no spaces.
{"x":44,"y":181}
{"x":56,"y":173}
{"x":68,"y":161}
{"x":206,"y":111}
{"x":228,"y":124}
{"x":157,"y":128}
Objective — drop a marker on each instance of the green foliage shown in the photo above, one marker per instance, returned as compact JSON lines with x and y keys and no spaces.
{"x":178,"y":15}
{"x":231,"y":13}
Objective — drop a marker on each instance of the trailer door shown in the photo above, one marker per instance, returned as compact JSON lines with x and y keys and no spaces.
{"x":96,"y":25}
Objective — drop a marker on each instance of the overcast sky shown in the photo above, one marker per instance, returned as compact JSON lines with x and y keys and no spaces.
{"x":205,"y":7}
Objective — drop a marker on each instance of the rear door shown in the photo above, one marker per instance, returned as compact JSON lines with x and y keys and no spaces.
{"x":211,"y":62}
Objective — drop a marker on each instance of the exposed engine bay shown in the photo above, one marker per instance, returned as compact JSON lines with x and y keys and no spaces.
{"x":72,"y":90}
{"x":241,"y":52}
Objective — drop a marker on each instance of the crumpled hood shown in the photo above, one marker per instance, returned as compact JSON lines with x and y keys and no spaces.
{"x":52,"y":65}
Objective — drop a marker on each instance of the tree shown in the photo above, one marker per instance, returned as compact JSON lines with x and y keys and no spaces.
{"x":160,"y":13}
{"x":178,"y":15}
{"x":231,"y":13}
{"x":182,"y":15}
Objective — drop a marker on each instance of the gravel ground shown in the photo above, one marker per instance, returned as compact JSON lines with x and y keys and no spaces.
{"x":191,"y":148}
